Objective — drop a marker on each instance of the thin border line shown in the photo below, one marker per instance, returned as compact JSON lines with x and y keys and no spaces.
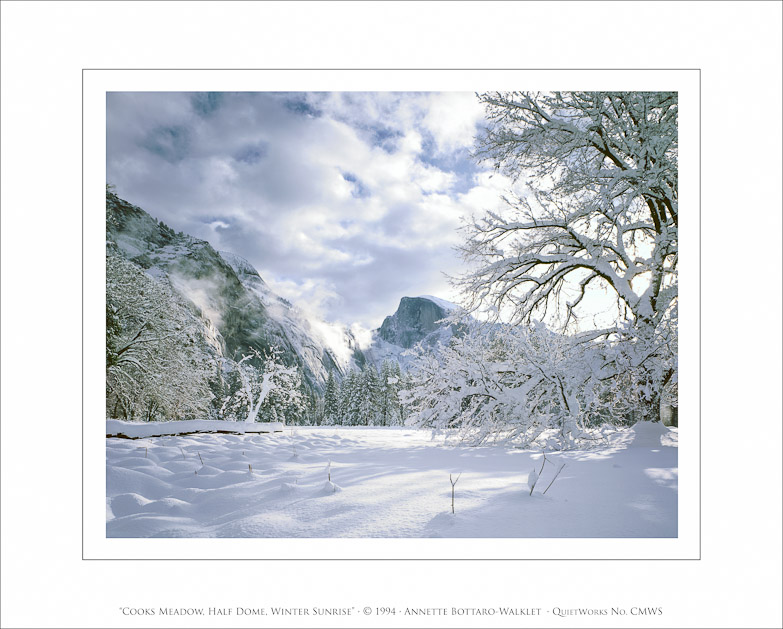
{"x":700,"y":327}
{"x":83,"y":316}
{"x":699,"y":70}
{"x":391,"y":70}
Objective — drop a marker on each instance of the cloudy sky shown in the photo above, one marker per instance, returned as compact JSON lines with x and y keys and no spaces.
{"x":344,"y":202}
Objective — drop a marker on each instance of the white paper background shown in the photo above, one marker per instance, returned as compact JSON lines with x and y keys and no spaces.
{"x":44,"y":48}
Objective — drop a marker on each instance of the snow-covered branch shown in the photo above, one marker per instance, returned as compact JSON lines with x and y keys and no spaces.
{"x":594,"y":208}
{"x":273,"y":385}
{"x":154,"y":367}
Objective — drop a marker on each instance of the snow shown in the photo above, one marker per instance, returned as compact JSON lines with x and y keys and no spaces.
{"x":648,"y":434}
{"x":239,"y":264}
{"x":532,"y":479}
{"x":136,"y":430}
{"x":379,"y":350}
{"x":387,"y":482}
{"x":446,"y":305}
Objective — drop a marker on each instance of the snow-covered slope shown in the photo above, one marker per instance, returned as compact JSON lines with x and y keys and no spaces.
{"x":235,"y":303}
{"x":323,"y":346}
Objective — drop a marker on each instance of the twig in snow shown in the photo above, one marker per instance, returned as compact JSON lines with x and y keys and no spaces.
{"x":199,"y":458}
{"x":453,"y":484}
{"x":249,"y":468}
{"x":183,"y":453}
{"x":553,"y":480}
{"x":542,"y":465}
{"x":532,"y":479}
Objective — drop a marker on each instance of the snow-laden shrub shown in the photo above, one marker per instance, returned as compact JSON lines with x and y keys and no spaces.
{"x":518,"y":384}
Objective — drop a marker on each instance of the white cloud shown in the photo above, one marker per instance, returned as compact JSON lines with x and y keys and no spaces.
{"x":345,"y":201}
{"x":452,"y":118}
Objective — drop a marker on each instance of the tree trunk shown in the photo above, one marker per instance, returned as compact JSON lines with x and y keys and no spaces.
{"x":668,"y":413}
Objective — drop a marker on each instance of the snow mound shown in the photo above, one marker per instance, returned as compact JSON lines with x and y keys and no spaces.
{"x":330,"y":488}
{"x":125,"y":504}
{"x":648,"y":434}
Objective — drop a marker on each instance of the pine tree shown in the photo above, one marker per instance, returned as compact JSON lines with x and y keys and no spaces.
{"x":385,"y":393}
{"x":369,"y":401}
{"x":331,"y":401}
{"x":354,"y":409}
{"x":404,"y":383}
{"x":391,"y":380}
{"x":349,"y":399}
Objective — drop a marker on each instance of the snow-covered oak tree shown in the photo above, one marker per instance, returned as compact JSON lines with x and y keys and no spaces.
{"x":156,"y":363}
{"x":599,"y":206}
{"x":594,"y":207}
{"x":257,"y":386}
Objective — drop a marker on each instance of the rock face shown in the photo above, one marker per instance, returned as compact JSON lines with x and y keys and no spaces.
{"x":229,"y":294}
{"x":415,"y":319}
{"x":321,"y":346}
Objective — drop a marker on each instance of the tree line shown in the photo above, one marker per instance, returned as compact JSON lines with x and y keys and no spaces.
{"x":164,"y":361}
{"x":365,"y":397}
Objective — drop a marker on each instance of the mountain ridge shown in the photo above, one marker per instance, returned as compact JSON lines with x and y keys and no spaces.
{"x":245,"y":314}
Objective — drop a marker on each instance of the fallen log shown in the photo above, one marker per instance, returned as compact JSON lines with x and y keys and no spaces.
{"x":139,"y":430}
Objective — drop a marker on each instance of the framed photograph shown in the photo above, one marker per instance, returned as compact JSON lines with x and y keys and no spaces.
{"x":418,"y":312}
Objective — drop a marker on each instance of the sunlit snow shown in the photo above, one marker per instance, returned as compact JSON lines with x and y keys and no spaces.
{"x":387,"y":482}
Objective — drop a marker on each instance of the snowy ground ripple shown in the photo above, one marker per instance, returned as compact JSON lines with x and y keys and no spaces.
{"x":385,"y":483}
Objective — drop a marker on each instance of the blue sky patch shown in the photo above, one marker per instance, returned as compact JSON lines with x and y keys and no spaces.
{"x":359,"y":190}
{"x":252,"y":153}
{"x":385,"y":138}
{"x":459,"y":162}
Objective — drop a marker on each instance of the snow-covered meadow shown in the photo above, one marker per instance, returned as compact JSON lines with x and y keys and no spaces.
{"x":388,"y":482}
